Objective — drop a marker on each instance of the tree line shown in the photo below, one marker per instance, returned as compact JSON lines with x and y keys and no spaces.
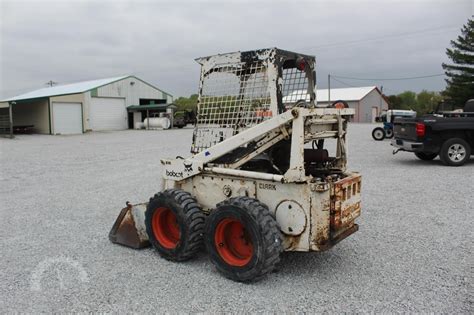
{"x":423,"y":102}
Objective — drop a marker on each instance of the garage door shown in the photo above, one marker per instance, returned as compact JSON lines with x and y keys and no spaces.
{"x":108,"y":114}
{"x":67,"y":118}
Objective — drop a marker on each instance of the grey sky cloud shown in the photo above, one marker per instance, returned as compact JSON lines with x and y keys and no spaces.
{"x":69,"y":41}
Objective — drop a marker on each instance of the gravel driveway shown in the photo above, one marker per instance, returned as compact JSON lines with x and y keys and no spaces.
{"x":59,"y":196}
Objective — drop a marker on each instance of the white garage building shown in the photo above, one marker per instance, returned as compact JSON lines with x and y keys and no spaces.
{"x":96,"y":105}
{"x":367,"y":101}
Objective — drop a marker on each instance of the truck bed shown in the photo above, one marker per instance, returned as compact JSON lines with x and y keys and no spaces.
{"x":427,"y":133}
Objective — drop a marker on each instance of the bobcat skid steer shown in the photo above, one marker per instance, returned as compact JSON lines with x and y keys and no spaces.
{"x":261,"y":179}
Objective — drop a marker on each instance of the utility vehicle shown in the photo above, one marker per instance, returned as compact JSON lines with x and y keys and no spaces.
{"x":261,"y":179}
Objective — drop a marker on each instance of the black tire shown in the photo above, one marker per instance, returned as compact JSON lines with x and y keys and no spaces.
{"x":426,"y":156}
{"x":455,"y":152}
{"x":378,"y":134}
{"x":172,"y":210}
{"x":259,"y":237}
{"x":388,"y":133}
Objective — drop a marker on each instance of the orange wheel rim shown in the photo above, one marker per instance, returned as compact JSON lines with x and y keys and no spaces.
{"x":165,"y":228}
{"x":233,"y":242}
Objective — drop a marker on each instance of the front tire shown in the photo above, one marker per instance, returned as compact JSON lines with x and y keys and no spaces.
{"x":426,"y":156}
{"x":389,"y":133}
{"x":243,"y":239}
{"x":175,"y":224}
{"x":378,"y":134}
{"x":455,"y":152}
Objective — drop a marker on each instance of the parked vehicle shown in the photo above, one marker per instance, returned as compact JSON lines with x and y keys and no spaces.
{"x":387,"y":117}
{"x":449,"y":133}
{"x":184,"y":117}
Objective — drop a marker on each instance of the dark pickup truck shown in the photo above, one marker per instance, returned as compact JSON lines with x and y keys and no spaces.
{"x":449,"y":134}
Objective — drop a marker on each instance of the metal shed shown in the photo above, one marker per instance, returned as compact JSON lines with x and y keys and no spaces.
{"x":96,"y":105}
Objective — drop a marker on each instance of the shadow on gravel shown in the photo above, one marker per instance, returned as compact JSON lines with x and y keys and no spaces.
{"x":416,"y":162}
{"x":310,"y":262}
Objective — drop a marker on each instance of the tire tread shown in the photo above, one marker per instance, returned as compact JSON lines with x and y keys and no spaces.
{"x":270,"y":233}
{"x":194,"y":219}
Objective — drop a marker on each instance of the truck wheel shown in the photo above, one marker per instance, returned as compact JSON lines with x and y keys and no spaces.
{"x":455,"y":152}
{"x":378,"y":134}
{"x":175,"y":224}
{"x":243,"y":239}
{"x":426,"y":156}
{"x":389,"y":133}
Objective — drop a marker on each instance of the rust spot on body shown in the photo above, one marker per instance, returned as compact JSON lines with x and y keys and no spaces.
{"x":345,"y":202}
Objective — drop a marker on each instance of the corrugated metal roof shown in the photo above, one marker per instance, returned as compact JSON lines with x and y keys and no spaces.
{"x":65,"y":89}
{"x":345,"y":94}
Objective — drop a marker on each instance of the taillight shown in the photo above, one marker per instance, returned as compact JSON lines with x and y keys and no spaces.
{"x":300,"y":64}
{"x":420,"y":129}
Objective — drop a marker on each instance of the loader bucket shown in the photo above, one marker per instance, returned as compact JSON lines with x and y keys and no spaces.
{"x":129,"y":228}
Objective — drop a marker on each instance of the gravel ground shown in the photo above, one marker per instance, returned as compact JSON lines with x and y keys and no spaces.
{"x":61,"y":194}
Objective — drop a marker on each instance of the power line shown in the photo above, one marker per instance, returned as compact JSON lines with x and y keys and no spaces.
{"x":358,"y":41}
{"x":344,"y":83}
{"x":389,"y":79}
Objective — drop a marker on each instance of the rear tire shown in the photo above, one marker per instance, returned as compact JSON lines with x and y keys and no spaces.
{"x":340,"y":104}
{"x":426,"y":156}
{"x":175,"y":224}
{"x":455,"y":152}
{"x":243,"y":239}
{"x":378,"y":134}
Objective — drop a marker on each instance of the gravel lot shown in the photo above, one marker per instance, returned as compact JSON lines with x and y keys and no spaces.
{"x":61,"y":194}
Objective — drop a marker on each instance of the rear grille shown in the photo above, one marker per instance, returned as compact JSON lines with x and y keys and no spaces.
{"x":345,"y":202}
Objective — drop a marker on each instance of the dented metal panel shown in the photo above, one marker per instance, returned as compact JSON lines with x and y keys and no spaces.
{"x":209,"y":190}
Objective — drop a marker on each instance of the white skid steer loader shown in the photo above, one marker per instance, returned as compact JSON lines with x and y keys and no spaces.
{"x":261,"y":179}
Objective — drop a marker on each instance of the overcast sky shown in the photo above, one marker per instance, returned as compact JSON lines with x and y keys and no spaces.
{"x":70,"y":41}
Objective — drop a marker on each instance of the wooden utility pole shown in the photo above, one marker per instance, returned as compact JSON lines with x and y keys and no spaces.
{"x":329,"y":90}
{"x":51,"y":83}
{"x":10,"y":114}
{"x":381,"y":97}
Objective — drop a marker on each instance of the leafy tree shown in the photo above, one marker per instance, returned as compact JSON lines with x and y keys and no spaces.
{"x":427,"y":102}
{"x":423,"y":102}
{"x":408,"y":99}
{"x":186,"y":103}
{"x":461,"y":73}
{"x":395,"y":102}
